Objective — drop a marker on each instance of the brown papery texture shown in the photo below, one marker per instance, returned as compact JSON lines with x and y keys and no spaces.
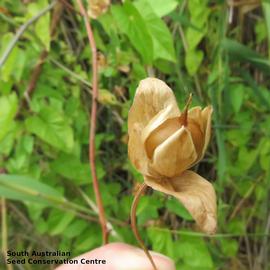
{"x":97,"y":7}
{"x":164,"y":144}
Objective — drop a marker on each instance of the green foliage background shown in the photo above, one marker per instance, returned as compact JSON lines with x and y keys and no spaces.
{"x":218,"y":52}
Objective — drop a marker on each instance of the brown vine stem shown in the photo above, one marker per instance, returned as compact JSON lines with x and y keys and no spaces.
{"x":101,"y":213}
{"x":135,"y":202}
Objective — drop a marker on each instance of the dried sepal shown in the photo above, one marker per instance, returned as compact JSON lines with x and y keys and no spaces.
{"x":136,"y":151}
{"x":152,"y":96}
{"x":154,"y":102}
{"x":195,"y":193}
{"x":175,"y":154}
{"x":206,"y":116}
{"x":158,"y":130}
{"x":200,"y":127}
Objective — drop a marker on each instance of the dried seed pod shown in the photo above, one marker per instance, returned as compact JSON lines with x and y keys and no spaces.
{"x":164,"y":143}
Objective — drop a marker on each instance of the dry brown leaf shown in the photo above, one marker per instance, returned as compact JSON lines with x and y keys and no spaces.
{"x":98,"y":7}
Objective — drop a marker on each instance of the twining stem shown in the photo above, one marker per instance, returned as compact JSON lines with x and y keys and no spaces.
{"x":135,"y":202}
{"x":101,"y":213}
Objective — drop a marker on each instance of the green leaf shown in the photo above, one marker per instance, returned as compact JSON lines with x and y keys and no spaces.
{"x":139,"y":73}
{"x":103,"y":137}
{"x":161,"y":36}
{"x":147,"y":209}
{"x":199,"y":13}
{"x":261,"y":31}
{"x":265,"y":154}
{"x":236,"y":96}
{"x":72,"y":168}
{"x":183,"y":20}
{"x":161,"y":7}
{"x":246,"y":159}
{"x":266,"y":9}
{"x":258,"y":91}
{"x":162,"y":241}
{"x":82,"y":242}
{"x":41,"y":226}
{"x":14,"y":66}
{"x":193,"y":37}
{"x":5,"y":87}
{"x":42,"y":26}
{"x":193,"y":60}
{"x":109,"y":25}
{"x":25,"y":189}
{"x":239,"y":137}
{"x":35,"y":211}
{"x":20,"y":161}
{"x":229,"y":247}
{"x":58,"y":221}
{"x":7,"y":143}
{"x":133,"y":25}
{"x":240,"y":52}
{"x":164,"y":66}
{"x":236,"y":226}
{"x":8,"y":109}
{"x":194,"y":252}
{"x":75,"y":228}
{"x":177,"y":208}
{"x":51,"y":126}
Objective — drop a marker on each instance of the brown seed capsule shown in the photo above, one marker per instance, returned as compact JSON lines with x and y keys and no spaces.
{"x":164,"y":143}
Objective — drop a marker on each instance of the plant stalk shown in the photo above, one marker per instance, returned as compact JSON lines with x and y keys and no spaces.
{"x":135,"y":202}
{"x":93,"y":120}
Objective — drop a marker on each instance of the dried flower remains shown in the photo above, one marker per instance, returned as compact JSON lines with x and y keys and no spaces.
{"x":165,"y":143}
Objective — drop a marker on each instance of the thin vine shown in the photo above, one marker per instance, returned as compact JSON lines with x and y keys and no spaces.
{"x":135,"y":202}
{"x":93,"y":121}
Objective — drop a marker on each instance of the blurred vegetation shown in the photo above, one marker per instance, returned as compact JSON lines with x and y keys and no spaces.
{"x":218,"y":50}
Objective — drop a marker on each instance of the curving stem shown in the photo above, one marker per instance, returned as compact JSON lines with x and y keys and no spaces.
{"x":135,"y":202}
{"x":101,"y":213}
